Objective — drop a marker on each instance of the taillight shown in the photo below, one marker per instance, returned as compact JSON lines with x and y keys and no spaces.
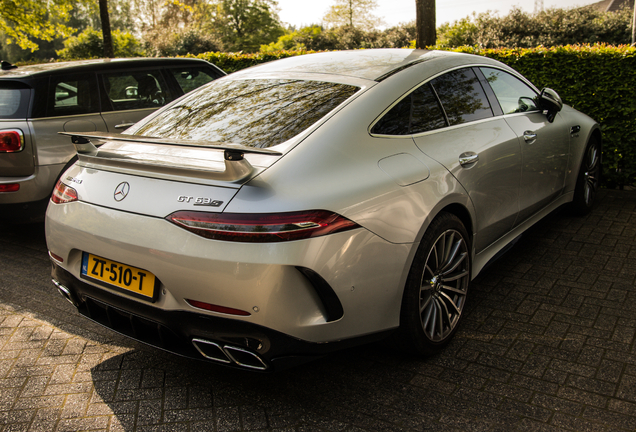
{"x":264,"y":227}
{"x":11,"y":140}
{"x":63,"y":194}
{"x":10,"y":187}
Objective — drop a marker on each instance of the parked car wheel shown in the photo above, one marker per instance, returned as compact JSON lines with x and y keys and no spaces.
{"x":437,"y":285}
{"x":588,"y":179}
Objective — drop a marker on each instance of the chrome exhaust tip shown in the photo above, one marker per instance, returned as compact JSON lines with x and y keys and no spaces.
{"x":65,"y":292}
{"x":228,"y":354}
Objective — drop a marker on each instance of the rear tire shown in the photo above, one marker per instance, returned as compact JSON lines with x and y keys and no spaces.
{"x":436,"y":287}
{"x":588,"y":179}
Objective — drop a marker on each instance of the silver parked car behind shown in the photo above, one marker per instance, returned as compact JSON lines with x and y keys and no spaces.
{"x":313,"y":203}
{"x":36,"y":102}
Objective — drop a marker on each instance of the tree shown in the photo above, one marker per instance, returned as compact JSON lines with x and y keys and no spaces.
{"x":108,"y":39}
{"x":353,"y":13}
{"x":247,"y":24}
{"x":425,"y":23}
{"x":89,"y":44}
{"x":22,"y":20}
{"x":552,"y":27}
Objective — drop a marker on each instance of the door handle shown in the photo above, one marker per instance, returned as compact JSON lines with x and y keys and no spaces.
{"x":468,"y":158}
{"x":529,"y":137}
{"x":123,"y":125}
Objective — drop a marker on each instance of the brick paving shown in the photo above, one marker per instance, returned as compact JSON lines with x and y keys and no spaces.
{"x":547,"y":344}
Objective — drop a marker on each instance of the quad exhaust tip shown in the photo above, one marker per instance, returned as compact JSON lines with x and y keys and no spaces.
{"x":228,"y":354}
{"x":66,"y":293}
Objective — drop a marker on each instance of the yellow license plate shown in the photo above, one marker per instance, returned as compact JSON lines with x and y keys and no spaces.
{"x":113,"y":273}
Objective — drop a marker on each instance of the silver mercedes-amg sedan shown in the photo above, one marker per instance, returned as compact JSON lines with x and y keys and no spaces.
{"x":313,"y":203}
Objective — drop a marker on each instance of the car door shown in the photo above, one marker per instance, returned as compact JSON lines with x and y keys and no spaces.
{"x":544,"y":145}
{"x":72,"y":105}
{"x":480,"y":150}
{"x":130,"y":95}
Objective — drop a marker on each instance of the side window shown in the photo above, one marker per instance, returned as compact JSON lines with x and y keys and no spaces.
{"x":418,"y":112}
{"x":427,"y":114}
{"x":134,"y":90}
{"x":462,"y":96}
{"x":513,"y":94}
{"x":193,"y":77}
{"x":72,"y":95}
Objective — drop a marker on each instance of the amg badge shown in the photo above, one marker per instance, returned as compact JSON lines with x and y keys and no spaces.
{"x":200,"y":201}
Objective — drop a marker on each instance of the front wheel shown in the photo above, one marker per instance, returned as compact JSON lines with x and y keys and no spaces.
{"x":588,"y":179}
{"x":436,"y":287}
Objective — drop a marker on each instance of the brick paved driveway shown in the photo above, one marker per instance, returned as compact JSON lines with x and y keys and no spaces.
{"x":547,"y":344}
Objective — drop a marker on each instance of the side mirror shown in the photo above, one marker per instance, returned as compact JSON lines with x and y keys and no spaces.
{"x":550,"y":101}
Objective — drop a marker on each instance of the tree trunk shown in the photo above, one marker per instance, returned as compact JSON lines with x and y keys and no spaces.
{"x":109,"y":52}
{"x":425,"y":23}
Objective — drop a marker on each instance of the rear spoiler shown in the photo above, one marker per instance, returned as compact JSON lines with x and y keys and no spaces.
{"x":237,"y":168}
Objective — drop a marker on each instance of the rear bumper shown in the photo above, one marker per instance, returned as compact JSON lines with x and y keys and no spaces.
{"x":30,"y":201}
{"x":224,"y":341}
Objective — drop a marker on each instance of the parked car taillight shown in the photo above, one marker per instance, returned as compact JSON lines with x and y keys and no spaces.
{"x":262,"y":228}
{"x":11,"y":140}
{"x":10,"y":187}
{"x":63,"y":194}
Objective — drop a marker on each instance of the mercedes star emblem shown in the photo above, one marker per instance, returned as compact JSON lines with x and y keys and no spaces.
{"x":121,"y":191}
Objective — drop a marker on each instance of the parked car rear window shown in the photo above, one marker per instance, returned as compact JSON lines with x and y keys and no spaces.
{"x":14,"y":100}
{"x":255,"y":113}
{"x":190,"y":78}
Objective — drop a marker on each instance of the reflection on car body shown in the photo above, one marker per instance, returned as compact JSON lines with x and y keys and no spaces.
{"x":314,"y":203}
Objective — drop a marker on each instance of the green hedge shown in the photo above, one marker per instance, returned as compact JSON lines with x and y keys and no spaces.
{"x":599,"y":80}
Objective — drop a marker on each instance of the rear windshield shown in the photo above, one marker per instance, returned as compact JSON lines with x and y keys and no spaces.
{"x":255,"y":113}
{"x":14,"y":100}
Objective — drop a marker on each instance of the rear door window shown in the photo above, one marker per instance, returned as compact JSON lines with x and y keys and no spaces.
{"x":192,"y":77}
{"x":132,"y":90}
{"x":462,"y":96}
{"x":72,"y":95}
{"x":418,"y":112}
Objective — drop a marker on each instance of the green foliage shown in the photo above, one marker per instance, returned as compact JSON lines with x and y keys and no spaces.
{"x":551,"y":27}
{"x":89,"y":44}
{"x":343,"y":38}
{"x":24,"y":20}
{"x":245,"y":25}
{"x":353,"y":13}
{"x":232,"y":62}
{"x":188,"y":41}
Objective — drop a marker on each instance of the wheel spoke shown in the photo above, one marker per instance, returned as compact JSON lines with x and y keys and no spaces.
{"x":432,"y":319}
{"x":451,"y":302}
{"x":457,"y":276}
{"x":440,"y":319}
{"x":448,"y":261}
{"x":425,"y":305}
{"x":461,"y":259}
{"x":453,"y":289}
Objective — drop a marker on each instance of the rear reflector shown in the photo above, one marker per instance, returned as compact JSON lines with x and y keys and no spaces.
{"x":262,"y":227}
{"x":10,"y":187}
{"x":56,"y":257}
{"x":217,"y":308}
{"x":11,"y":140}
{"x":63,"y":194}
